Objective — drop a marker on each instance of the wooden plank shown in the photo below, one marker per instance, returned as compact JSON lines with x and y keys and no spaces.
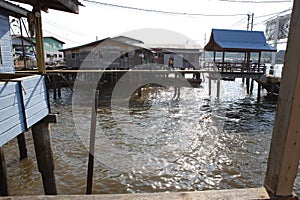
{"x":37,"y":117}
{"x":7,"y":88}
{"x":11,"y":122}
{"x":31,"y":81}
{"x":41,"y":98}
{"x":285,"y":146}
{"x":11,"y":133}
{"x":236,"y":194}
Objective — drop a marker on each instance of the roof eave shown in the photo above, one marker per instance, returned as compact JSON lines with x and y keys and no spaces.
{"x":13,"y":10}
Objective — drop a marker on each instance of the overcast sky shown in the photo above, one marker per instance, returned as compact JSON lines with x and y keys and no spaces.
{"x":97,"y":20}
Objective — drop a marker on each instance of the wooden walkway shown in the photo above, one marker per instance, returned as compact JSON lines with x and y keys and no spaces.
{"x":236,"y":194}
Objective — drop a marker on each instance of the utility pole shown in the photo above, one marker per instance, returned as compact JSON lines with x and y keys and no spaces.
{"x":252,"y":19}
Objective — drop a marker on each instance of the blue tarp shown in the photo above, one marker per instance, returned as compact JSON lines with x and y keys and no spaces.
{"x":237,"y":41}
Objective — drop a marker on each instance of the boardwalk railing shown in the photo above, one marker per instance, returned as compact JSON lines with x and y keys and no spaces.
{"x":235,"y":67}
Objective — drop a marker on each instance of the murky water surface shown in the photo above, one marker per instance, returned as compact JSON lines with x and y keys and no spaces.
{"x":156,"y":144}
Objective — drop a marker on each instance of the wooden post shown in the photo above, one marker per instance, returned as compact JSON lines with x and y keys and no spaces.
{"x":258,"y":91}
{"x":58,"y":85}
{"x":39,"y":39}
{"x":248,"y":85}
{"x":218,"y":88}
{"x":251,"y":86}
{"x":22,"y":146}
{"x":44,"y":155}
{"x":54,"y":87}
{"x":3,"y":175}
{"x":285,"y":146}
{"x":209,"y":85}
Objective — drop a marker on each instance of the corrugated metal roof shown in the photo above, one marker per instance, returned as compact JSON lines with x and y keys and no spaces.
{"x":238,"y":41}
{"x":62,"y":5}
{"x":13,"y":10}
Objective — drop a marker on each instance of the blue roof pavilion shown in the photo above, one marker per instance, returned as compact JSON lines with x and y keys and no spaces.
{"x":237,"y":41}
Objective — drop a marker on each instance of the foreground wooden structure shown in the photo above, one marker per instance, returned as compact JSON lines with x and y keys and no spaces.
{"x":285,"y":146}
{"x":237,"y":194}
{"x":23,"y":105}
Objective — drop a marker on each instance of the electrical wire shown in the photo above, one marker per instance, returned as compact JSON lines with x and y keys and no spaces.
{"x":61,"y":37}
{"x":161,"y":11}
{"x":257,"y":1}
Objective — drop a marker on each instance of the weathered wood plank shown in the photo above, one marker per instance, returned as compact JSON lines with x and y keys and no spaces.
{"x":11,"y":133}
{"x":13,"y":101}
{"x":10,"y":123}
{"x":35,"y":118}
{"x":285,"y":147}
{"x":7,"y":88}
{"x":240,"y":194}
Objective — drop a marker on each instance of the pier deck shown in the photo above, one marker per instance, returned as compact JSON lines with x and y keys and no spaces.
{"x":241,"y":194}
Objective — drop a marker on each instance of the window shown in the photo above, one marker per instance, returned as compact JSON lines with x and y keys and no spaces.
{"x":74,"y":55}
{"x":60,"y":55}
{"x":48,"y":55}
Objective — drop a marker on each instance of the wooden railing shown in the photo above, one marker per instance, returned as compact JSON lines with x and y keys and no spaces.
{"x":235,"y":67}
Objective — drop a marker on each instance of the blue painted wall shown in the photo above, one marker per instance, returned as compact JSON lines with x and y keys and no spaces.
{"x":7,"y":61}
{"x":27,"y":93}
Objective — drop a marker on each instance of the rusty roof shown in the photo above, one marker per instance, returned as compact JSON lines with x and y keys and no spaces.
{"x":71,"y":6}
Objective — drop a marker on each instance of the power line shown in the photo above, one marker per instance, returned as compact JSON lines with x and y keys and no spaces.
{"x":161,"y":11}
{"x":257,"y":1}
{"x":65,"y":28}
{"x":61,"y":37}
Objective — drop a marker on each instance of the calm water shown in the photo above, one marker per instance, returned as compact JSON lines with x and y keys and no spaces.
{"x":157,"y":144}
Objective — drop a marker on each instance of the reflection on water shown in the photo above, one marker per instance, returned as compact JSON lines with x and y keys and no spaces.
{"x":157,"y":144}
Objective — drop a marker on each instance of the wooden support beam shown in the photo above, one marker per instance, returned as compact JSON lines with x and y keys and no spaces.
{"x":22,"y":146}
{"x":248,"y":85}
{"x":209,"y":85}
{"x":251,"y":86}
{"x":39,"y":39}
{"x":3,"y":175}
{"x":43,"y":149}
{"x":285,"y":147}
{"x":258,"y":91}
{"x":218,"y":88}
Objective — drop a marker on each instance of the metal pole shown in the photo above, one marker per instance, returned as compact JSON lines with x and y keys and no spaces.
{"x":89,"y":184}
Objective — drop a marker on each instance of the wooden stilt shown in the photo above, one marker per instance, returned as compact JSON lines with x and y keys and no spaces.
{"x":209,"y":85}
{"x":258,"y":91}
{"x":3,"y":175}
{"x":54,"y":88}
{"x":22,"y":146}
{"x":43,"y":149}
{"x":251,"y":86}
{"x":218,"y":88}
{"x":140,"y":92}
{"x":248,"y":85}
{"x":58,"y":86}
